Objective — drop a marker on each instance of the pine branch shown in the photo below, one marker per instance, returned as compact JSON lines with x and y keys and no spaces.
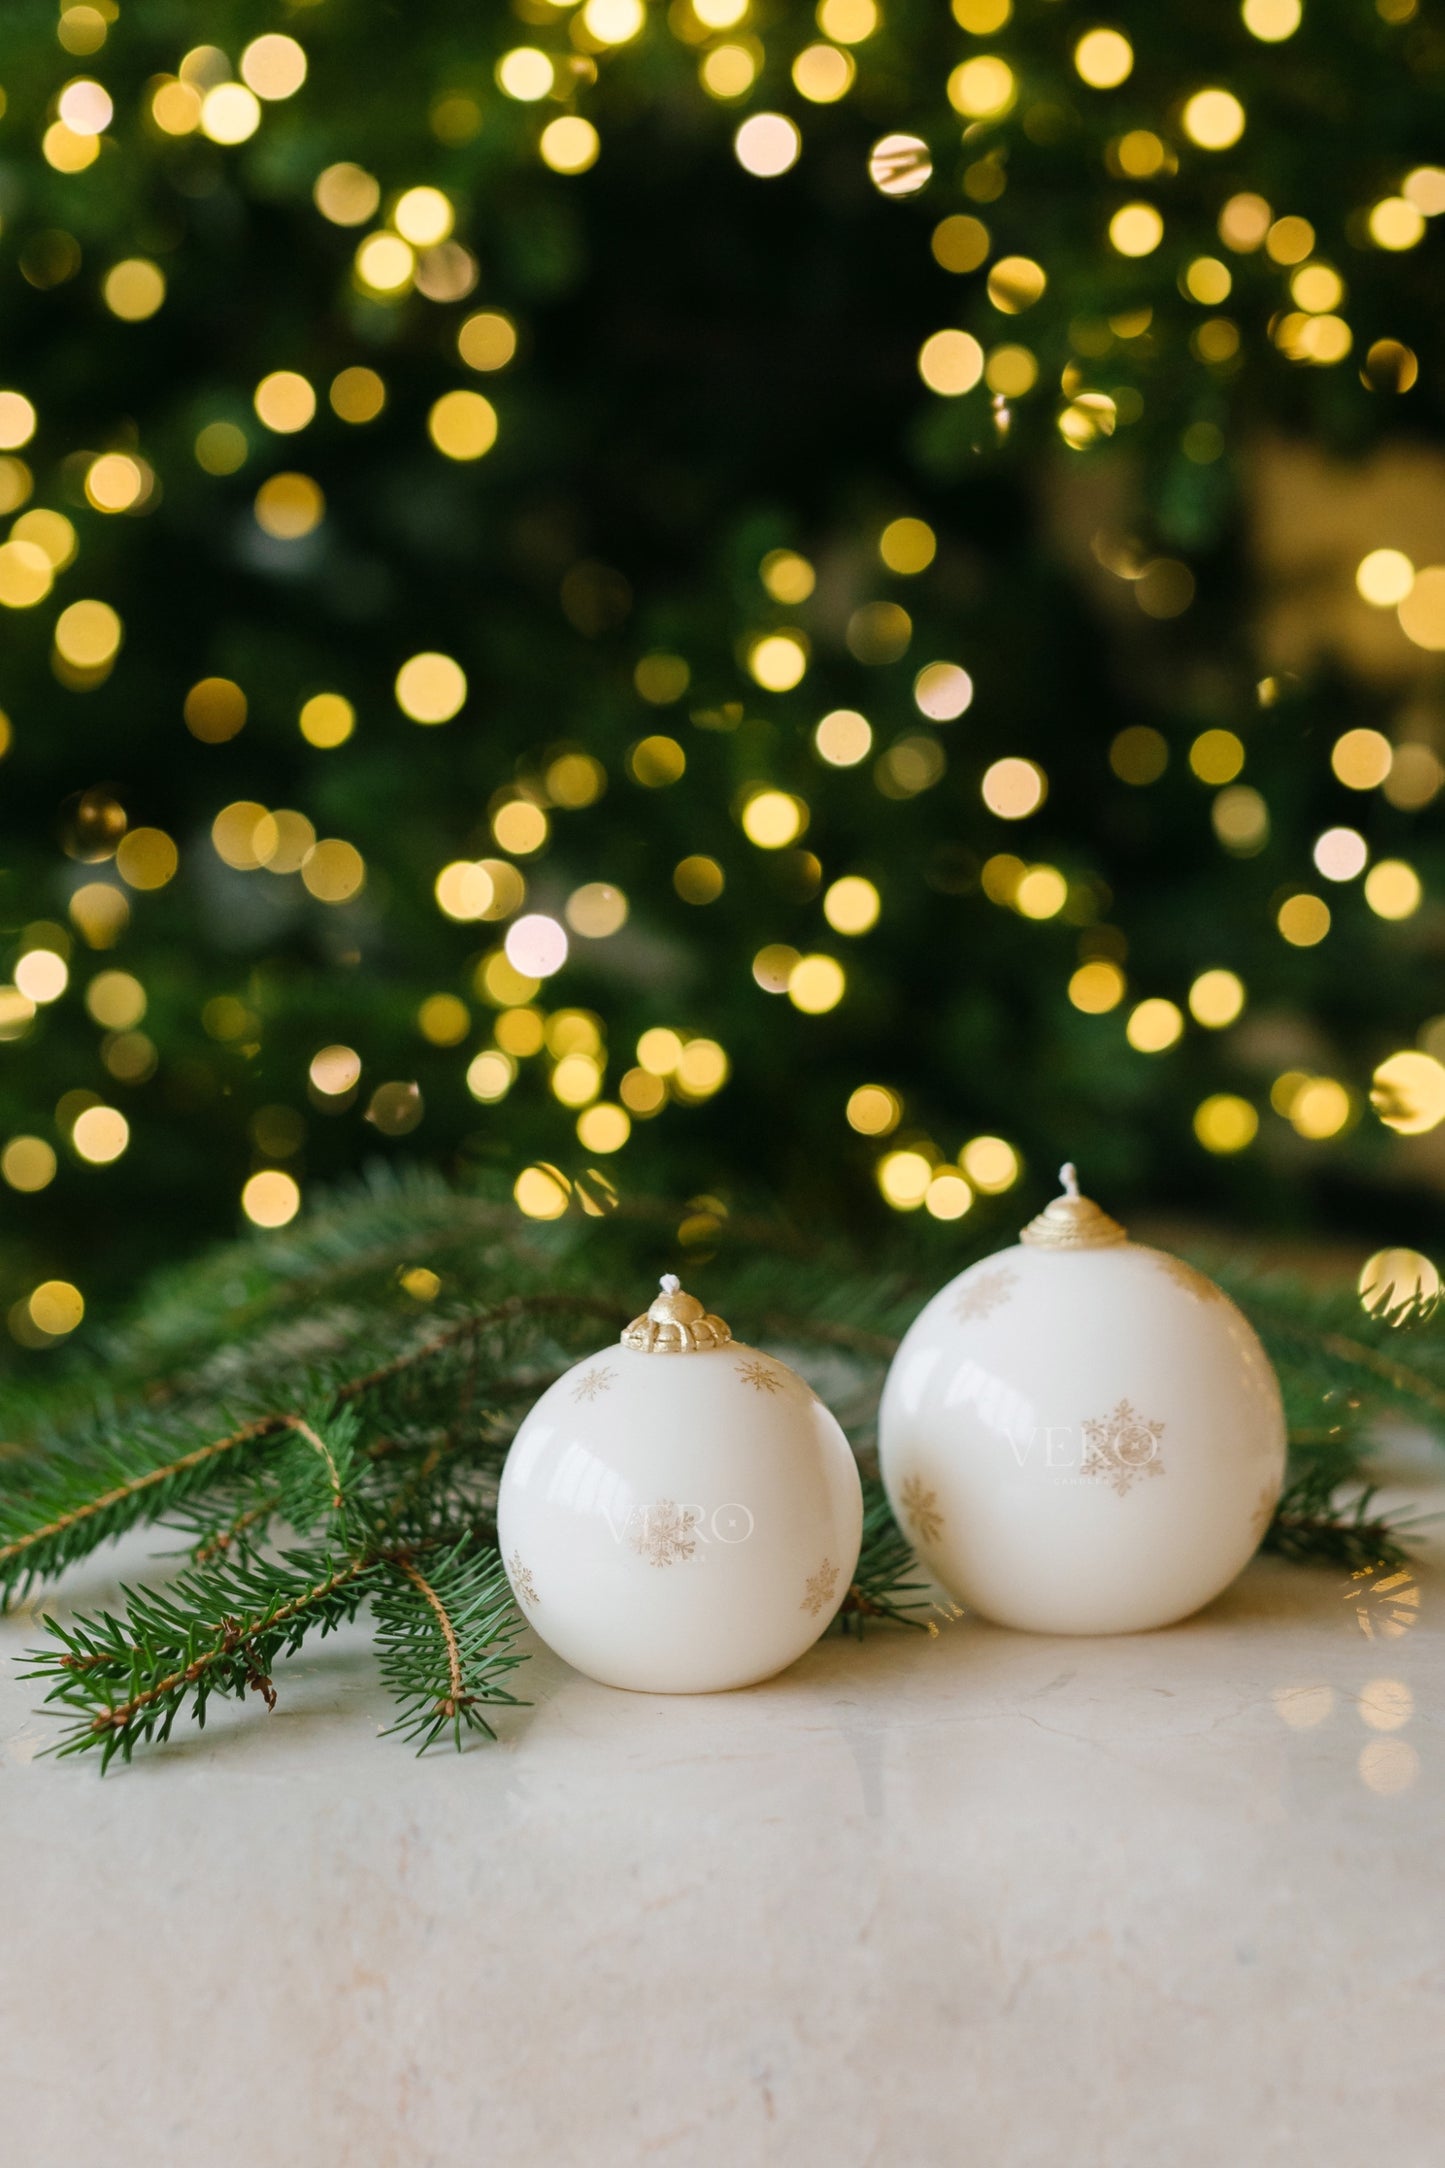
{"x":886,"y":1584}
{"x":445,"y":1629}
{"x":217,"y":1629}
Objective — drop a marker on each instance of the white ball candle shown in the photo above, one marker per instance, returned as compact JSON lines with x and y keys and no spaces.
{"x":680,"y":1513}
{"x":1081,"y":1435}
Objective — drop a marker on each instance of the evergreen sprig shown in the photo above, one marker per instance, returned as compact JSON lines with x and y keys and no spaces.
{"x":321,"y":1441}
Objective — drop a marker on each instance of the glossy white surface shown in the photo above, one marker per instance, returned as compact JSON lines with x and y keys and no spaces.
{"x":1084,"y":1441}
{"x":1168,"y":1898}
{"x":680,"y":1523}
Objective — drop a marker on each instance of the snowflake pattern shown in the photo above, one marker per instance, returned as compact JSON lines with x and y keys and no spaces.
{"x":759,"y":1375}
{"x":919,"y":1506}
{"x":819,"y":1588}
{"x":1120,"y":1446}
{"x":591,"y":1383}
{"x":983,"y":1294}
{"x":665,"y":1534}
{"x":523,"y":1585}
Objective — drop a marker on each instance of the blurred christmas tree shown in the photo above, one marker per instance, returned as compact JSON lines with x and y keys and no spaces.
{"x":716,"y":599}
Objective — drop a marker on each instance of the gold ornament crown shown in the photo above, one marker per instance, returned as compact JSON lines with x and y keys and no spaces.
{"x":676,"y":1324}
{"x":1073,"y":1222}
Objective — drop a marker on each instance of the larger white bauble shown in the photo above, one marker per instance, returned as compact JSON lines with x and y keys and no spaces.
{"x":1081,"y":1435}
{"x":682,"y":1517}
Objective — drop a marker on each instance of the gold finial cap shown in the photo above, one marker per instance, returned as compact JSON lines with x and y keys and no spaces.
{"x":1073,"y":1222}
{"x":676,"y":1324}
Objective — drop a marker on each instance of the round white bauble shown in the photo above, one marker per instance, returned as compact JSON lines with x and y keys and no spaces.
{"x":680,"y":1514}
{"x":1081,"y":1435}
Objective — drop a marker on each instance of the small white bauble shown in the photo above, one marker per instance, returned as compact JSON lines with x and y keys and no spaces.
{"x":1081,"y":1435}
{"x":680,"y":1514}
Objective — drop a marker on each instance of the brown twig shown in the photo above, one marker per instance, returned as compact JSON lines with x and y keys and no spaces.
{"x":458,"y":1699}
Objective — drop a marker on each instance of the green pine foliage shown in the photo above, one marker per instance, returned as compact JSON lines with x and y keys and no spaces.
{"x":321,"y":1417}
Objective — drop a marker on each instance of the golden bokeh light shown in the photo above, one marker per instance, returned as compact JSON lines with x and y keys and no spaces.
{"x":847,"y":22}
{"x":1225,"y":1123}
{"x":908,"y":546}
{"x":1154,"y":1025}
{"x":1216,"y":756}
{"x":904,"y":1177}
{"x":843,"y":738}
{"x":656,"y":762}
{"x":28,"y":1164}
{"x":787,"y":576}
{"x":1139,"y":755}
{"x":1303,"y":920}
{"x":490,"y":1075}
{"x":1422,"y":611}
{"x":134,"y":289}
{"x":487,"y":341}
{"x":1384,"y":577}
{"x":326,"y":720}
{"x":462,"y":425}
{"x":1015,"y":283}
{"x":1402,"y":1284}
{"x":851,"y":905}
{"x":1012,"y":788}
{"x":346,"y":194}
{"x":146,"y":859}
{"x":274,"y":66}
{"x":41,"y":975}
{"x":542,"y":1192}
{"x":823,"y":74}
{"x":333,"y":871}
{"x":1214,"y":119}
{"x":100,"y":1135}
{"x":520,"y":827}
{"x":230,"y":114}
{"x":960,"y":243}
{"x":1396,"y":223}
{"x":431,"y":687}
{"x":778,"y":661}
{"x":991,"y":1164}
{"x":898,"y":164}
{"x":772,"y":819}
{"x":284,"y":401}
{"x":1272,"y":21}
{"x":443,"y":1020}
{"x":1408,"y":1092}
{"x":1361,"y":759}
{"x":56,"y":1307}
{"x":597,"y":910}
{"x":289,"y":506}
{"x":1216,"y":998}
{"x":816,"y":984}
{"x":570,"y":144}
{"x":215,"y":709}
{"x":1393,"y":889}
{"x":698,"y":879}
{"x":1041,"y":893}
{"x":1136,"y":229}
{"x":942,"y":691}
{"x":1097,"y":987}
{"x":1320,"y":1108}
{"x":947,"y":1196}
{"x":271,"y":1198}
{"x":951,"y":363}
{"x":603,"y":1128}
{"x":873,"y":1110}
{"x":88,"y":635}
{"x":983,"y":88}
{"x":1104,"y":59}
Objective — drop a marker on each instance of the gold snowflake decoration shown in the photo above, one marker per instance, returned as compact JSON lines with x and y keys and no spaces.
{"x":591,"y":1383}
{"x":920,"y":1509}
{"x":983,"y":1294}
{"x":760,"y":1376}
{"x":665,"y":1533}
{"x":819,"y":1588}
{"x":1120,"y":1446}
{"x":522,"y":1582}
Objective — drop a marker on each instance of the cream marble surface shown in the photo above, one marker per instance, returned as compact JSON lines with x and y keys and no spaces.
{"x":1170,"y":1898}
